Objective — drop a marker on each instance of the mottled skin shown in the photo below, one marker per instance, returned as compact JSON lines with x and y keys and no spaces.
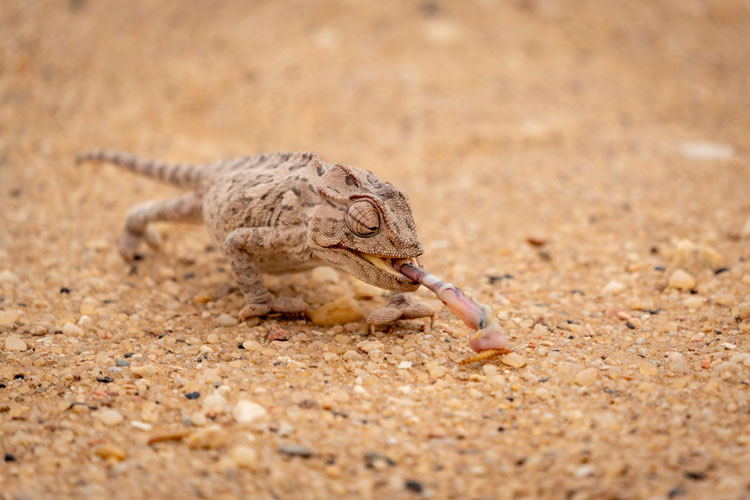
{"x":286,"y":212}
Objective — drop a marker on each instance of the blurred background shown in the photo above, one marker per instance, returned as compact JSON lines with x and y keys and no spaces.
{"x":502,"y":117}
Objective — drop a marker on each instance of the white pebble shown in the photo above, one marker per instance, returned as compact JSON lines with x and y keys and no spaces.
{"x":15,"y":343}
{"x":586,"y":377}
{"x":681,"y":280}
{"x":246,"y":411}
{"x":613,"y":287}
{"x":244,"y":456}
{"x":227,"y":320}
{"x":404,"y":365}
{"x":141,"y":426}
{"x":8,"y":317}
{"x":108,"y":416}
{"x":214,"y":403}
{"x":72,"y":330}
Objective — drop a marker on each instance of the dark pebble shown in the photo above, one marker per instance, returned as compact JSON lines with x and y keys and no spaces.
{"x":19,"y":376}
{"x":2,"y":386}
{"x":630,"y":325}
{"x":9,"y":457}
{"x":413,"y":485}
{"x":695,"y":476}
{"x":188,"y":276}
{"x":239,"y":346}
{"x":661,"y":269}
{"x":676,"y":492}
{"x":105,"y":380}
{"x":65,"y":290}
{"x":374,"y":456}
{"x":501,"y":429}
{"x":721,"y":270}
{"x":128,"y":355}
{"x":295,"y":450}
{"x":138,"y":256}
{"x":193,"y":395}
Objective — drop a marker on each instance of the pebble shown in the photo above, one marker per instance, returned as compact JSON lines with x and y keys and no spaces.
{"x":144,"y":371}
{"x":252,"y":345}
{"x":586,"y":377}
{"x":89,"y":305}
{"x":706,"y":151}
{"x":108,"y":416}
{"x":404,"y":365}
{"x":122,"y":362}
{"x":324,"y":274}
{"x":613,"y":287}
{"x":244,"y":456}
{"x":681,"y":280}
{"x":513,"y":359}
{"x":111,"y":451}
{"x":339,"y":312}
{"x":6,"y":276}
{"x":677,"y":363}
{"x":214,"y":403}
{"x":489,"y":369}
{"x":295,"y":450}
{"x":694,"y":302}
{"x":72,"y":330}
{"x":209,"y":437}
{"x":540,"y":330}
{"x":436,"y":371}
{"x":246,"y":411}
{"x":743,"y":311}
{"x":226,"y":320}
{"x":646,"y":367}
{"x":141,"y":426}
{"x":745,"y":231}
{"x":8,"y":317}
{"x":15,"y":343}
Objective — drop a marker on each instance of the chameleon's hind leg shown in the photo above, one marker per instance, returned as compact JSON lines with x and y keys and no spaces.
{"x":186,"y":208}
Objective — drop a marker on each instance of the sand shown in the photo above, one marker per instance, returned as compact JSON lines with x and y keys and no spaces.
{"x":583,"y":168}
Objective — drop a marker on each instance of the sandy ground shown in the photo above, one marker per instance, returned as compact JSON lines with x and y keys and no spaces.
{"x":563,"y":164}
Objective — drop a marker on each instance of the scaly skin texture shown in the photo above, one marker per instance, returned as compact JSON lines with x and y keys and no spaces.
{"x":285,"y":212}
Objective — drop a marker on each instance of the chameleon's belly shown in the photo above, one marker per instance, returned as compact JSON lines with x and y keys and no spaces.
{"x":287,"y":263}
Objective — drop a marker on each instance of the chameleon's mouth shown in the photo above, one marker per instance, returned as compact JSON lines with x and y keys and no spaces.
{"x":386,"y":264}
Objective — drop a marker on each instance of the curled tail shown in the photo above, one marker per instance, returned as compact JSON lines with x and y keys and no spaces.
{"x":186,"y":176}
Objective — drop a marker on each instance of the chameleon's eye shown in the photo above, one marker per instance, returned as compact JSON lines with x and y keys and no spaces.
{"x":363,"y":218}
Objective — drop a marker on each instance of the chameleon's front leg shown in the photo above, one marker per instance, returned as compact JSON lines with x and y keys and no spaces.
{"x":240,"y":246}
{"x":400,"y":306}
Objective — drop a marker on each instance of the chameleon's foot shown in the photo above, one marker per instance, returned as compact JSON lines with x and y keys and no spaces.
{"x":399,"y":306}
{"x":131,"y":240}
{"x":285,"y":305}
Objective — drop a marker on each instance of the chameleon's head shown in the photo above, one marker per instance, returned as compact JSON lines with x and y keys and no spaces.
{"x":361,"y":224}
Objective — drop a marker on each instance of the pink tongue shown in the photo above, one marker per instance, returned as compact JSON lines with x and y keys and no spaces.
{"x":490,"y":337}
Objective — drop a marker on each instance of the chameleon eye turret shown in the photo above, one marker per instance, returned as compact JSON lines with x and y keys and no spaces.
{"x":363,"y":218}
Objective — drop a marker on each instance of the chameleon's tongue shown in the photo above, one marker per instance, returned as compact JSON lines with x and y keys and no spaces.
{"x":475,"y":315}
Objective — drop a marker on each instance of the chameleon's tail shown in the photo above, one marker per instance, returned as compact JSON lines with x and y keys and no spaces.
{"x":186,"y":176}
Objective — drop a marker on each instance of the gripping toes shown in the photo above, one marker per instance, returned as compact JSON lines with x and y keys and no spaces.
{"x":400,"y":306}
{"x":284,"y":305}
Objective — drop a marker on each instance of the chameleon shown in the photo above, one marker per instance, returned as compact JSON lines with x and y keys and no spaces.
{"x":285,"y":212}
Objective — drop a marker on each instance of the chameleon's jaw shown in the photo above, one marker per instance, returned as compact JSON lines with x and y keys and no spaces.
{"x":376,"y":270}
{"x":385,"y":264}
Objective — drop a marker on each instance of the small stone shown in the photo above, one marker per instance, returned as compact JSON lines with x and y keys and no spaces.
{"x":15,"y":343}
{"x":489,"y":369}
{"x":540,"y":331}
{"x":436,"y":371}
{"x":677,"y":363}
{"x":244,"y":456}
{"x":646,"y":367}
{"x":214,"y":403}
{"x":252,"y":345}
{"x":513,"y":359}
{"x":324,"y":274}
{"x":89,"y":305}
{"x":8,"y":317}
{"x":694,"y":302}
{"x":6,"y":276}
{"x":295,"y":450}
{"x":108,"y":416}
{"x":586,"y":377}
{"x":743,"y":311}
{"x":141,"y":426}
{"x":122,"y":362}
{"x":404,"y":365}
{"x":612,"y":288}
{"x":745,"y":231}
{"x":364,"y":290}
{"x":193,"y":395}
{"x":339,"y":312}
{"x":413,"y":485}
{"x":681,"y":280}
{"x":246,"y":411}
{"x":144,"y":371}
{"x":110,"y":451}
{"x":209,"y":437}
{"x":706,"y":150}
{"x":226,"y":320}
{"x":72,"y":330}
